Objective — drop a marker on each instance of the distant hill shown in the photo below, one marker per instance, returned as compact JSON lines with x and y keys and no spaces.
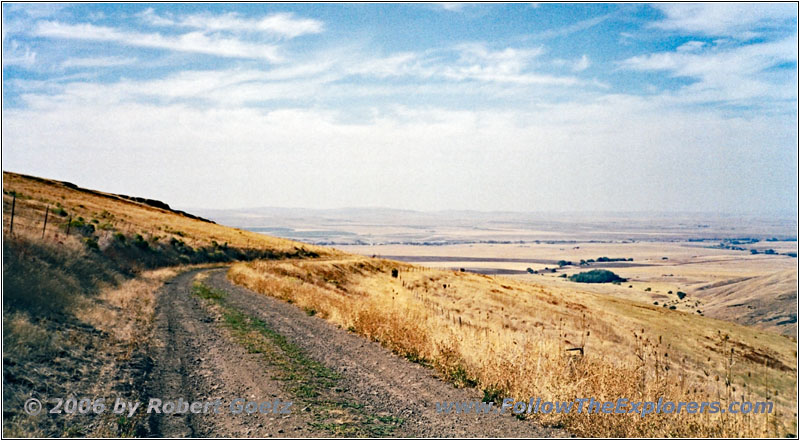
{"x":768,"y":302}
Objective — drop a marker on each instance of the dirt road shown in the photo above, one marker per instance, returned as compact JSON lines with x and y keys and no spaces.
{"x":229,"y":342}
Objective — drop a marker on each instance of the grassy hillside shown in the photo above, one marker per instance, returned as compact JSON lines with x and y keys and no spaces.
{"x":512,"y":338}
{"x":769,"y":301}
{"x":78,"y":292}
{"x":109,"y":214}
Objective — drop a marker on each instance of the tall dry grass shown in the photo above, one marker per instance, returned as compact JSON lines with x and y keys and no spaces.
{"x":126,"y":312}
{"x":510,"y":341}
{"x":114,"y":214}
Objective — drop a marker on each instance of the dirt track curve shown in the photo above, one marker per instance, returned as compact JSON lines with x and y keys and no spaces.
{"x":195,"y":358}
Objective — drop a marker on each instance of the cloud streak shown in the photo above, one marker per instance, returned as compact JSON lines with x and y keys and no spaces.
{"x":742,"y":20}
{"x":726,"y":73}
{"x":284,"y":25}
{"x":80,"y":63}
{"x":194,"y":42}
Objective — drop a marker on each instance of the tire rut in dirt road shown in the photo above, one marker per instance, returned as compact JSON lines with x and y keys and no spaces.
{"x":195,"y":360}
{"x":383,"y":383}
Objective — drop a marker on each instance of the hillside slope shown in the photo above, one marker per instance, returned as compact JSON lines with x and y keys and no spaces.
{"x":101,"y":215}
{"x":80,"y":272}
{"x":768,"y":302}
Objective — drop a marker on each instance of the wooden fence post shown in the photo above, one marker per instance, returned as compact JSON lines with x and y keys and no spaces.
{"x":13,"y":205}
{"x":46,"y":211}
{"x":69,"y":224}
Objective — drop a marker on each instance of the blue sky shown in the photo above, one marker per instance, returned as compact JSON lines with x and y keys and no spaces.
{"x":522,"y":107}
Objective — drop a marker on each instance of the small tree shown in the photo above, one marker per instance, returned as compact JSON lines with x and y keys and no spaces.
{"x":596,"y":276}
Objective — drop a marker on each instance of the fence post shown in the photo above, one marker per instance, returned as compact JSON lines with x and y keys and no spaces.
{"x":46,"y":211}
{"x":69,"y":224}
{"x":13,"y":204}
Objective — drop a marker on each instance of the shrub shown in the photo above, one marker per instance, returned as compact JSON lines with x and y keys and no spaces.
{"x":139,"y":242}
{"x":87,"y":229}
{"x":91,"y":243}
{"x":681,"y":295}
{"x":596,"y":276}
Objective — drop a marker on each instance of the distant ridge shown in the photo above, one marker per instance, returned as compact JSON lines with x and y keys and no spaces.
{"x":150,"y":202}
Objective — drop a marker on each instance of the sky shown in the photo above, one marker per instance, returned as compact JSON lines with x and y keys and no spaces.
{"x":516,"y":107}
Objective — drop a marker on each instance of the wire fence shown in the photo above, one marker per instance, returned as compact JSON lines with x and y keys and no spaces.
{"x":29,"y":217}
{"x":38,"y":219}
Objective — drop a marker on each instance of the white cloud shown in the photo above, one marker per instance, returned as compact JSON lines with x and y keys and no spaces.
{"x":727,"y":73}
{"x":691,"y":46}
{"x":572,"y":28}
{"x":96,"y":16}
{"x":196,"y":42}
{"x":582,"y":64}
{"x":35,"y":9}
{"x":465,"y":62}
{"x":540,"y":159}
{"x":96,"y":62}
{"x":18,"y":55}
{"x":469,"y":70}
{"x":281,"y":24}
{"x":741,"y":20}
{"x":452,"y":6}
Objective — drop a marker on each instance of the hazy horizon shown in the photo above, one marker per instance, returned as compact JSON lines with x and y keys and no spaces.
{"x":553,"y":108}
{"x":787,"y":213}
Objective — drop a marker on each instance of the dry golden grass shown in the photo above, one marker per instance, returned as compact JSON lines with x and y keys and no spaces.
{"x":128,"y":217}
{"x":126,"y":311}
{"x":111,"y":326}
{"x":753,"y":290}
{"x":510,"y":337}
